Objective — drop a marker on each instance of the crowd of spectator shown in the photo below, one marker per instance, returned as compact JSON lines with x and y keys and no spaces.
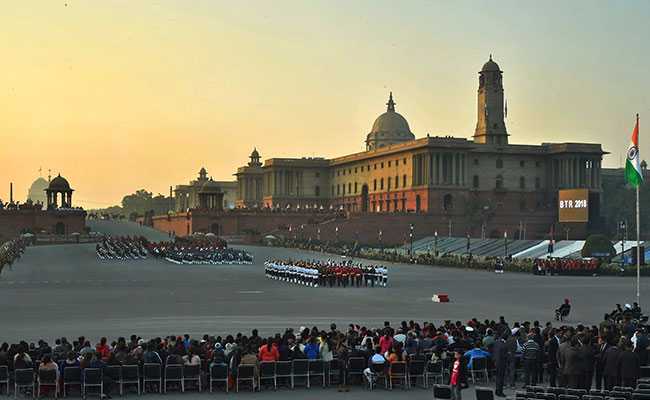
{"x":525,"y":353}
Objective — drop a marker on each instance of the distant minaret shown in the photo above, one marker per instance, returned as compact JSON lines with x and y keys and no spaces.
{"x":11,"y":193}
{"x":490,"y":126}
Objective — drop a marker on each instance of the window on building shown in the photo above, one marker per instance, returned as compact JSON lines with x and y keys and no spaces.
{"x":338,"y":173}
{"x":499,"y":163}
{"x":537,"y":164}
{"x":349,"y":187}
{"x":343,"y":172}
{"x":382,"y":164}
{"x":476,"y":161}
{"x":475,"y":182}
{"x":317,"y":191}
{"x":522,"y":163}
{"x":362,"y":168}
{"x":332,"y":190}
{"x":389,"y":182}
{"x":538,"y":183}
{"x":404,"y":181}
{"x":396,"y":181}
{"x":404,"y":161}
{"x":356,"y":188}
{"x":381,"y":184}
{"x":375,"y":166}
{"x":389,"y":164}
{"x":522,"y":182}
{"x":499,"y":182}
{"x":343,"y":189}
{"x":447,"y":202}
{"x":374,"y":184}
{"x":355,"y":170}
{"x":338,"y":190}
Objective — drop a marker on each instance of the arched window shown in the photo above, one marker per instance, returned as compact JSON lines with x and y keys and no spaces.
{"x":447,"y":202}
{"x":338,"y":190}
{"x":475,"y":181}
{"x":404,"y":179}
{"x":381,"y":184}
{"x":349,"y":187}
{"x":390,"y":181}
{"x":396,"y":182}
{"x":374,"y":184}
{"x":522,"y":182}
{"x":356,"y":187}
{"x":499,"y":163}
{"x":499,"y":182}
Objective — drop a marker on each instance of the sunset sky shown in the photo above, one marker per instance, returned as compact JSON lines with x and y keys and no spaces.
{"x":123,"y":95}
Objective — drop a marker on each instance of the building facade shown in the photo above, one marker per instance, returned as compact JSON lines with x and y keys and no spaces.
{"x":204,"y":192}
{"x":485,"y":181}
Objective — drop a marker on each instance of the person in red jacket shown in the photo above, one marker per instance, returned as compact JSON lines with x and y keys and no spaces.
{"x":102,"y":349}
{"x":268,"y":352}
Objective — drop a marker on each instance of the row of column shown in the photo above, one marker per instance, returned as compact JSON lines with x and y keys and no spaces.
{"x":444,"y":168}
{"x":251,"y":188}
{"x":53,"y":199}
{"x":577,"y":172}
{"x":285,"y":183}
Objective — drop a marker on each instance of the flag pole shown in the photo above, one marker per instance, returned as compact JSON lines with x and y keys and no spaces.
{"x":638,"y":234}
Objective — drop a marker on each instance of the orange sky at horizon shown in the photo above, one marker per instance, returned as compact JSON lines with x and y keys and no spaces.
{"x":118,"y":96}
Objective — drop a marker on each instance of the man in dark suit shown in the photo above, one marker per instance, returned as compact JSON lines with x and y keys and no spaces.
{"x":600,"y":362}
{"x":500,"y":357}
{"x":610,"y":370}
{"x":629,"y":366}
{"x":552,"y":345}
{"x":561,"y":359}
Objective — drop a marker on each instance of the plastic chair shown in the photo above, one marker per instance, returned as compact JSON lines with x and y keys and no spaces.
{"x":192,"y":373}
{"x":316,"y":368}
{"x":23,"y":378}
{"x":71,"y":376}
{"x":92,"y":378}
{"x":173,"y":374}
{"x":299,"y":369}
{"x":267,"y":372}
{"x":47,"y":378}
{"x":218,"y":373}
{"x":130,"y":375}
{"x":151,"y":372}
{"x":246,"y":373}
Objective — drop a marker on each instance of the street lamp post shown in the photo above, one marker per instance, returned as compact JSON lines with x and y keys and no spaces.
{"x":505,"y":245}
{"x":337,"y":234}
{"x":381,"y":246}
{"x":623,"y":234}
{"x":411,"y":227}
{"x":435,"y":243}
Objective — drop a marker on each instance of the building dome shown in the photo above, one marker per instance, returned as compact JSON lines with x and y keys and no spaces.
{"x":389,"y":128}
{"x":36,"y":192}
{"x":490,"y":66}
{"x":59,"y":184}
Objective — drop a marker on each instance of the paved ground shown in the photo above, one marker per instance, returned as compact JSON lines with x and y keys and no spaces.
{"x":66,"y":290}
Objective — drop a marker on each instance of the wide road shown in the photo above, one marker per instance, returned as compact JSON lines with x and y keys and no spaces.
{"x":66,"y":290}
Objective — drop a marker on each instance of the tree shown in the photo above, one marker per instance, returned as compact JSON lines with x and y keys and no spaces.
{"x":598,"y":246}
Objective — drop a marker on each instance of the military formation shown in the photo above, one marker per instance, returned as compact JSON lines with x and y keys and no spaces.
{"x":11,"y":251}
{"x":122,"y":248}
{"x":199,"y":252}
{"x":329,"y":273}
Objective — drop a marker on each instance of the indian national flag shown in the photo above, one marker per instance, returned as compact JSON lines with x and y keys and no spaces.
{"x":633,"y":174}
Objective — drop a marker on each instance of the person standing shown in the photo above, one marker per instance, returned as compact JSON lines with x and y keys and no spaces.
{"x":600,"y":361}
{"x":500,"y":357}
{"x":587,"y":353}
{"x":629,"y":366}
{"x":552,"y":345}
{"x":458,"y":376}
{"x":610,"y":369}
{"x":531,"y":353}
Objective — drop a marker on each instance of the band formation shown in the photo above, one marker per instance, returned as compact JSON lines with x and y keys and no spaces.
{"x":181,"y":251}
{"x":329,"y":273}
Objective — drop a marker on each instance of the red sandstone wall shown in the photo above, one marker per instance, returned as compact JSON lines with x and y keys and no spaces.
{"x":14,"y":222}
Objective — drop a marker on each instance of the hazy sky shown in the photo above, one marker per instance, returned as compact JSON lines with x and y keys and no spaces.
{"x":122,"y":95}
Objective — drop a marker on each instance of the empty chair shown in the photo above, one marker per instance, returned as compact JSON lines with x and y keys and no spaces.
{"x":483,"y":393}
{"x":23,"y":378}
{"x":192,"y":373}
{"x":114,"y":372}
{"x":299,"y":369}
{"x":151,"y":373}
{"x":442,"y":392}
{"x":433,"y":370}
{"x":568,"y":397}
{"x":592,"y":397}
{"x":71,"y":377}
{"x":4,"y":377}
{"x":397,"y":371}
{"x":267,"y":373}
{"x":173,"y":374}
{"x":47,"y":378}
{"x":219,"y":373}
{"x":92,"y":378}
{"x":356,"y":365}
{"x":415,"y":371}
{"x":316,"y":368}
{"x":546,"y":396}
{"x":335,"y":370}
{"x":576,"y":392}
{"x":479,"y":368}
{"x":129,"y":375}
{"x":246,"y":373}
{"x":283,"y":372}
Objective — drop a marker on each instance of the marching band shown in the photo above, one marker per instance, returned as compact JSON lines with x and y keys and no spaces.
{"x":330,"y":273}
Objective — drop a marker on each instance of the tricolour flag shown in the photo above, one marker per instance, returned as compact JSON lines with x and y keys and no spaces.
{"x":633,"y":174}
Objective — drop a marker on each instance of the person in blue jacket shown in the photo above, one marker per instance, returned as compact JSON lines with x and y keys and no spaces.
{"x":474,"y":353}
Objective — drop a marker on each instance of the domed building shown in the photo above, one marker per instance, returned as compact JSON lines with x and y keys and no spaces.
{"x":59,"y":186}
{"x":389,"y":128}
{"x":190,"y":196}
{"x":36,"y":191}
